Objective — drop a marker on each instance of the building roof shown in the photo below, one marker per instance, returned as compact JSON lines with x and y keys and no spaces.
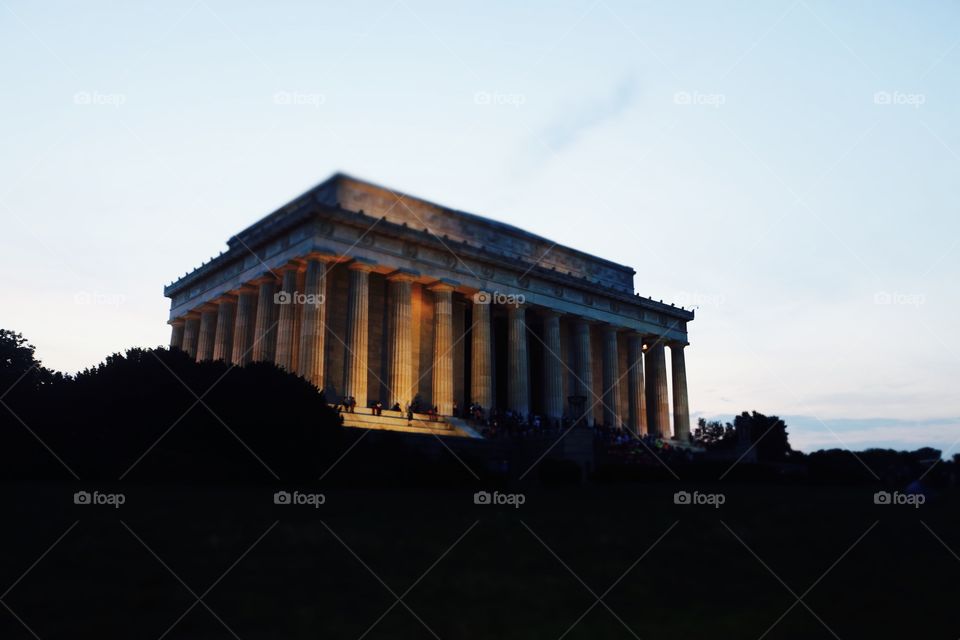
{"x":353,"y":194}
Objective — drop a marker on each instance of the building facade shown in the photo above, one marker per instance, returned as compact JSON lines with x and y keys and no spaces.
{"x":371,"y":293}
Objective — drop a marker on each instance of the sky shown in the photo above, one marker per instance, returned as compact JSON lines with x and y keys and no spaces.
{"x":789,"y":169}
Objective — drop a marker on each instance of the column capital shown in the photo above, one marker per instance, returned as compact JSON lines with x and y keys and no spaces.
{"x":177,"y":322}
{"x":678,"y":344}
{"x":362,"y":264}
{"x":206,"y":307}
{"x":297,"y":264}
{"x":612,"y":328}
{"x":547,"y":312}
{"x":324,"y":254}
{"x":443,"y":285}
{"x":650,"y":340}
{"x":403,"y":275}
{"x":225,"y":297}
{"x":266,"y":276}
{"x":243,"y":289}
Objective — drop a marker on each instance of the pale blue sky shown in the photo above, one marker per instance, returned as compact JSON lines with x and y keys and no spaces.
{"x":788,"y":167}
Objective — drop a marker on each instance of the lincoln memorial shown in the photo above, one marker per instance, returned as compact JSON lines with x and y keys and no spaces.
{"x":371,"y":293}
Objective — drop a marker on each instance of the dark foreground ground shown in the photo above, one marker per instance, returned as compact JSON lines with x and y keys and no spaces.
{"x":620,"y":561}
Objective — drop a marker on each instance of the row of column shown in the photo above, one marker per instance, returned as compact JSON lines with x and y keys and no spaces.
{"x":262,"y":322}
{"x":258,"y":322}
{"x":648,"y":407}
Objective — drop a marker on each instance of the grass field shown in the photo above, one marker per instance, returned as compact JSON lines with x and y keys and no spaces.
{"x":464,"y":570}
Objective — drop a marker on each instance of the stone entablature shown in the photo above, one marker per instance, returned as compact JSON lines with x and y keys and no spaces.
{"x":308,"y":225}
{"x":349,"y":194}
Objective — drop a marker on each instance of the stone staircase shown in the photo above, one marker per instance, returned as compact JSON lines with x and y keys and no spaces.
{"x":397,"y":421}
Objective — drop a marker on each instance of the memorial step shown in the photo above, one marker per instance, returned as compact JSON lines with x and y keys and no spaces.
{"x":397,"y":421}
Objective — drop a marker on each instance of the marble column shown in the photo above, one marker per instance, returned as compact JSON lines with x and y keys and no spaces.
{"x":297,"y":319}
{"x":553,"y":368}
{"x":443,"y":347}
{"x":658,"y":404}
{"x":313,"y":323}
{"x":208,"y":332}
{"x":611,"y":378}
{"x":400,"y":340}
{"x":459,"y":352}
{"x":223,"y":337}
{"x":681,"y":410}
{"x":518,"y":372}
{"x":191,"y":333}
{"x":358,"y":303}
{"x":584,"y":366}
{"x":176,"y":333}
{"x":481,"y":355}
{"x":244,"y":325}
{"x":286,"y":319}
{"x":265,"y":330}
{"x":635,"y":394}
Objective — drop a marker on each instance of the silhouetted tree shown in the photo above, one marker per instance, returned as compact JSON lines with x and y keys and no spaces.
{"x":20,"y":371}
{"x":768,"y":435}
{"x":714,"y":434}
{"x":156,"y":414}
{"x":926,"y":454}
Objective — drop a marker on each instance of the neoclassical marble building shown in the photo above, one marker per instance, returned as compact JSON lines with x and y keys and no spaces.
{"x":369,"y":292}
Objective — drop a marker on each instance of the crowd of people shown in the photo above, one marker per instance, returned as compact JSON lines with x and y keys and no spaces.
{"x":618,"y":442}
{"x":347,"y":404}
{"x":624,"y":446}
{"x":494,"y":423}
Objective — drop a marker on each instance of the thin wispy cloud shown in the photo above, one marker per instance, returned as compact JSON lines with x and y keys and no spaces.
{"x":594,"y":111}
